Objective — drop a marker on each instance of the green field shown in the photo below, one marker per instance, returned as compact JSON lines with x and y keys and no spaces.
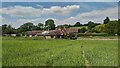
{"x":58,"y":52}
{"x":79,"y":27}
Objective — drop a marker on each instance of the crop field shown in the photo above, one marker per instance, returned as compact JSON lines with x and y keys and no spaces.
{"x":58,"y":52}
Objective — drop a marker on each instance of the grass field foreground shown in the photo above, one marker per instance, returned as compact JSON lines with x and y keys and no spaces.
{"x":58,"y":52}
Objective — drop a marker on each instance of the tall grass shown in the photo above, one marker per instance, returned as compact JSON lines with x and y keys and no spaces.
{"x":58,"y":52}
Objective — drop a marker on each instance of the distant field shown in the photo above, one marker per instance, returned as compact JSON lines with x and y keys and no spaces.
{"x":80,"y":27}
{"x":58,"y":52}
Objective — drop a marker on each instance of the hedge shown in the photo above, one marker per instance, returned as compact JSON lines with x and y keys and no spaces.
{"x":94,"y":34}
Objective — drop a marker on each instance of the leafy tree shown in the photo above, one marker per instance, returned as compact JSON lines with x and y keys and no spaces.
{"x":35,"y":27}
{"x":9,"y":30}
{"x":118,"y":25}
{"x":85,"y":24}
{"x":83,"y":30}
{"x":4,"y":27}
{"x":112,"y":27}
{"x":77,"y":24}
{"x":60,"y":26}
{"x":50,"y":24}
{"x":71,"y":25}
{"x":106,"y":20}
{"x":66,"y":25}
{"x":91,"y":25}
{"x":40,"y":25}
{"x":27,"y":27}
{"x":100,"y":28}
{"x":0,"y":30}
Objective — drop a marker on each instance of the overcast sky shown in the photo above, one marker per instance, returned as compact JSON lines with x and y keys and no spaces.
{"x":18,"y":13}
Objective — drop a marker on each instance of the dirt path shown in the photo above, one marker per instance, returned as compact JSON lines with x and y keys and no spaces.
{"x":87,"y":63}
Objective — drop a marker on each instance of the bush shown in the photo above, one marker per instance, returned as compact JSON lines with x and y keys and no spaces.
{"x":94,"y":34}
{"x":100,"y":34}
{"x":82,"y":30}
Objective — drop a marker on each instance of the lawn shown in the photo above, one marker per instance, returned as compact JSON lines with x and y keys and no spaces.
{"x":58,"y":52}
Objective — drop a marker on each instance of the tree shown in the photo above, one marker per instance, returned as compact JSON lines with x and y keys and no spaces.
{"x":4,"y":27}
{"x":27,"y":27}
{"x":118,"y":25}
{"x":83,"y":30}
{"x":77,"y":24}
{"x":60,"y":26}
{"x":106,"y":20}
{"x":66,"y":26}
{"x":112,"y":27}
{"x":91,"y":25}
{"x":0,"y":30}
{"x":100,"y":28}
{"x":35,"y":27}
{"x":9,"y":30}
{"x":40,"y":25}
{"x":50,"y":24}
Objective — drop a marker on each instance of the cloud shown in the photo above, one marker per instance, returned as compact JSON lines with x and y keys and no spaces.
{"x":119,"y":11}
{"x":96,"y":15}
{"x":40,"y":6}
{"x":1,"y":20}
{"x":63,"y":10}
{"x":111,"y":12}
{"x":23,"y":12}
{"x":20,"y":11}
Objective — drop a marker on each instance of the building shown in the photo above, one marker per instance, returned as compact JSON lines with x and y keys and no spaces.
{"x":58,"y":33}
{"x":33,"y":33}
{"x":52,"y":34}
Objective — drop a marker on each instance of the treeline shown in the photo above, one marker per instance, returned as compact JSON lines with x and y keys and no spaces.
{"x":108,"y":26}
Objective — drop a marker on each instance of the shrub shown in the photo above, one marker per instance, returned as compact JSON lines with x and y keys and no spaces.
{"x":93,"y":34}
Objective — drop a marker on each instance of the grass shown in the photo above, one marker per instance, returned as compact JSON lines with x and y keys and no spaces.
{"x":97,"y":37}
{"x":58,"y":52}
{"x":0,"y":51}
{"x":79,"y":27}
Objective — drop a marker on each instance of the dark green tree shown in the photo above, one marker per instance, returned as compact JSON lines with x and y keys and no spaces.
{"x":27,"y":27}
{"x":9,"y":30}
{"x":118,"y":25}
{"x":40,"y":26}
{"x":49,"y":24}
{"x":91,"y":25}
{"x":66,"y":26}
{"x":4,"y":27}
{"x":106,"y":20}
{"x":60,"y":26}
{"x":77,"y":24}
{"x":83,"y":30}
{"x":112,"y":27}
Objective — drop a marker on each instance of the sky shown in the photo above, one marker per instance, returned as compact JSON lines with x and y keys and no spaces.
{"x":18,"y":13}
{"x":60,"y":0}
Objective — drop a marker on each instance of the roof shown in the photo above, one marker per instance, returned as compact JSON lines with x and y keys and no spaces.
{"x":71,"y":30}
{"x":50,"y":33}
{"x":34,"y":32}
